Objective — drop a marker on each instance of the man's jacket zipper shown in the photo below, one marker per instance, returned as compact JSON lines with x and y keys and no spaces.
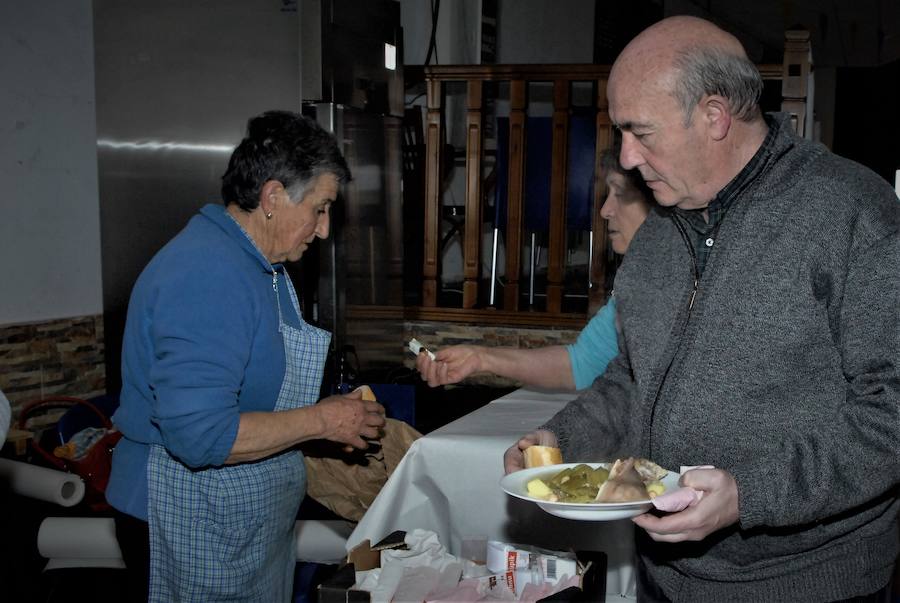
{"x":696,"y":271}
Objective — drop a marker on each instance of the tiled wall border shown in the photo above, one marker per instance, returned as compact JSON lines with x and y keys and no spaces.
{"x":439,"y":334}
{"x":55,"y":357}
{"x":66,"y":356}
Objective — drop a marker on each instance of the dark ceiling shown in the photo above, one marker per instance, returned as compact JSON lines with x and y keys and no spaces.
{"x":843,"y":33}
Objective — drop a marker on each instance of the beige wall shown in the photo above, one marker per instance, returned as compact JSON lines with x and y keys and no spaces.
{"x":50,"y":224}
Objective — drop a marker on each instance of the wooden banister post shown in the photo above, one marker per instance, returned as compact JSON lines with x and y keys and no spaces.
{"x":472,"y":243}
{"x":597,"y":295}
{"x":556,"y":254}
{"x":434,"y":150}
{"x":515,"y":192}
{"x":795,"y":78}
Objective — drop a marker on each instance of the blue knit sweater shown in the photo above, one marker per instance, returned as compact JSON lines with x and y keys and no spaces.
{"x":201,"y":346}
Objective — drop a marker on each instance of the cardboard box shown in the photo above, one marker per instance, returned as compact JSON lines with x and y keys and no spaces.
{"x":363,"y":557}
{"x":339,"y":587}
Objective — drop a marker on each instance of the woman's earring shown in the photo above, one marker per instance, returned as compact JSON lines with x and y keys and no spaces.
{"x":269,"y":216}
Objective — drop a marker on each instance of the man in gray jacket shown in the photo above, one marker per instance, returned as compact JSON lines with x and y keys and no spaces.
{"x":759,"y":335}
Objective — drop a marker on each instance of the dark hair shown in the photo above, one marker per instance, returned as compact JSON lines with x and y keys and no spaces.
{"x":716,"y":71}
{"x":609,"y":161}
{"x":282,"y":146}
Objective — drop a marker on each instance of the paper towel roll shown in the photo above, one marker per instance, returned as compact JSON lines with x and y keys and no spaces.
{"x":322,"y":540}
{"x":62,"y":488}
{"x":91,"y":541}
{"x":78,"y":538}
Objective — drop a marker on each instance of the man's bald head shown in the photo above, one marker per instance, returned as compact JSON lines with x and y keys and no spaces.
{"x":675,"y":33}
{"x":691,"y":57}
{"x":686,"y":99}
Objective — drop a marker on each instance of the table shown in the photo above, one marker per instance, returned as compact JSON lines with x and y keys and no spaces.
{"x":448,"y":483}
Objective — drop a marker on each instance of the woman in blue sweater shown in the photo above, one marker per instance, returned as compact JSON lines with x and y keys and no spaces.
{"x":221,"y":376}
{"x":574,"y":366}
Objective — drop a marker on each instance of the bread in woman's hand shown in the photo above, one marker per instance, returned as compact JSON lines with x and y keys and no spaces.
{"x":538,"y":456}
{"x":367,"y":393}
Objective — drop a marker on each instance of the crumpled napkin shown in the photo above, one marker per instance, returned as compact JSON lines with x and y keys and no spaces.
{"x":414,"y":574}
{"x":680,"y":498}
{"x":427,"y":572}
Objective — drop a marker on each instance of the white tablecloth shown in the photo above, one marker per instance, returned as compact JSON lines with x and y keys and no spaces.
{"x":448,"y":483}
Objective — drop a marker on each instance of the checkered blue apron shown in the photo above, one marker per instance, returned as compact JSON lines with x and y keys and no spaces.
{"x":227,"y":533}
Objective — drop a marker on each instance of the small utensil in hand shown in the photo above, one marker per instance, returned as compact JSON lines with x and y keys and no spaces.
{"x":415,"y":346}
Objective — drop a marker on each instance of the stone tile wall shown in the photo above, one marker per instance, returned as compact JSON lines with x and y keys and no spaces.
{"x":66,"y":356}
{"x":56,"y":357}
{"x":381,"y":343}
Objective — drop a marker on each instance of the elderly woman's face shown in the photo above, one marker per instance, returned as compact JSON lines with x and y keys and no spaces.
{"x":624,"y":210}
{"x":296,"y":226}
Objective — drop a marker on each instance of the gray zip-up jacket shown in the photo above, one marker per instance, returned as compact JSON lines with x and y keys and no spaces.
{"x":784,"y":372}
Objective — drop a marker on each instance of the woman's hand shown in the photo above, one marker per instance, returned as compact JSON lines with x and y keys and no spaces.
{"x":451,"y":364}
{"x":348,"y":419}
{"x":514,"y":457}
{"x":345,"y":419}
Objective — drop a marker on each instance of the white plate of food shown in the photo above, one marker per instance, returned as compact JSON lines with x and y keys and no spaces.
{"x":516,"y":484}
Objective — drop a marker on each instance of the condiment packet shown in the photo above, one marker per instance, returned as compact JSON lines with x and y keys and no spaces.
{"x":551,"y":565}
{"x":678,"y":499}
{"x":681,"y":498}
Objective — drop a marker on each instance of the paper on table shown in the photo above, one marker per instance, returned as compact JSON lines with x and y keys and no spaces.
{"x":503,"y":587}
{"x":412,"y":574}
{"x":45,"y":484}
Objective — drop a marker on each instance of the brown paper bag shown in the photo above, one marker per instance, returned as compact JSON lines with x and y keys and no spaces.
{"x":348,"y":483}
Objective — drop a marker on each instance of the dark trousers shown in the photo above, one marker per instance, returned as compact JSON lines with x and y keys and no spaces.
{"x":133,"y":535}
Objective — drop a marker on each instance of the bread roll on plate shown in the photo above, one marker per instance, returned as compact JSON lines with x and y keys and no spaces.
{"x":539,"y":456}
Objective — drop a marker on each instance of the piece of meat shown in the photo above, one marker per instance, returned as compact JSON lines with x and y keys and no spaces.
{"x":649,"y":471}
{"x":623,"y":485}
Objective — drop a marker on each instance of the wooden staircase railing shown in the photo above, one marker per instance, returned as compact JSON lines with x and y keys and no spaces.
{"x":794,"y":74}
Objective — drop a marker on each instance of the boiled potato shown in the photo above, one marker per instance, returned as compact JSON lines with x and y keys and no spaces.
{"x":538,"y":489}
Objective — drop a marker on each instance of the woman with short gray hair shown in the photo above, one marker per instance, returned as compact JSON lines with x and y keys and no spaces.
{"x":221,"y":375}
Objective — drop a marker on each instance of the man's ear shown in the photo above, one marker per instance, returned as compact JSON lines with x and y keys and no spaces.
{"x":268,"y":195}
{"x":715,"y":110}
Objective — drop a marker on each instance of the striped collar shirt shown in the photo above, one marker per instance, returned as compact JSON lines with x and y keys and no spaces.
{"x":706,"y":228}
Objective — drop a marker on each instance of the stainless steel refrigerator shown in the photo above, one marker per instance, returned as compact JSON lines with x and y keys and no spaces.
{"x":175,"y":85}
